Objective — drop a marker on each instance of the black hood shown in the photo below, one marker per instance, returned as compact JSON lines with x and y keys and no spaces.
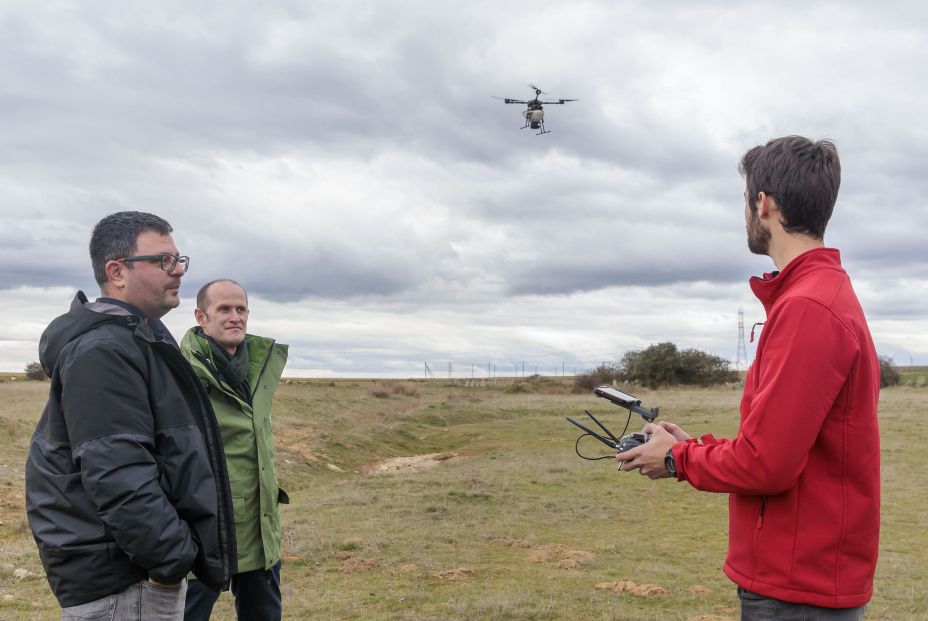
{"x":82,"y":317}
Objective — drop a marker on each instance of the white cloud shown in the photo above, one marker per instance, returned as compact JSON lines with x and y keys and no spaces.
{"x":348,"y":165}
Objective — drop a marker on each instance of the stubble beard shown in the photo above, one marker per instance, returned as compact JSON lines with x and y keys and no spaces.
{"x":758,"y":237}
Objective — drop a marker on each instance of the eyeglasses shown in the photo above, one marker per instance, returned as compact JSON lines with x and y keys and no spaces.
{"x":168,"y":261}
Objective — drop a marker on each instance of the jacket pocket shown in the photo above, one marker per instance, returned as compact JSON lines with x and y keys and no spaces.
{"x":238,"y":507}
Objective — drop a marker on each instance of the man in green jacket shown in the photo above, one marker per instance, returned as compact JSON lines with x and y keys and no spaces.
{"x":240,"y":373}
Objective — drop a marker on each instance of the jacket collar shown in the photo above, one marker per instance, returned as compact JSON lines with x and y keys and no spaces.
{"x":113,"y":306}
{"x":769,"y":287}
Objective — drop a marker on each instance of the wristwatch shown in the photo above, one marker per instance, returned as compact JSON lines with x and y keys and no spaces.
{"x":670,"y":464}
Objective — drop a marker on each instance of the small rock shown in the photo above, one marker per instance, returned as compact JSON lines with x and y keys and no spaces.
{"x":21,"y":574}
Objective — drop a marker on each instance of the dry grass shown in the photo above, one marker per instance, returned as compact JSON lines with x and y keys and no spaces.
{"x":514,"y":526}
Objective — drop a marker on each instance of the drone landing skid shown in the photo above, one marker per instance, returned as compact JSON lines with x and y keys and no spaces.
{"x":541,"y":126}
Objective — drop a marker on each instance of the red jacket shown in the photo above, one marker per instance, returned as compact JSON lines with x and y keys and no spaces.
{"x":803,"y":473}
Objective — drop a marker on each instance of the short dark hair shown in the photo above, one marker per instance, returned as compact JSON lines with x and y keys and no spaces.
{"x":116,"y":236}
{"x":203,"y":293}
{"x":801,"y":176}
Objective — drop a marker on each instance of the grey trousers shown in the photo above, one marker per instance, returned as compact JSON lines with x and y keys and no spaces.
{"x":143,"y":601}
{"x":756,"y":607}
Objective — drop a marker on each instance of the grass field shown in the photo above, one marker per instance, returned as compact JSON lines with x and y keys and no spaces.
{"x":507,"y":522}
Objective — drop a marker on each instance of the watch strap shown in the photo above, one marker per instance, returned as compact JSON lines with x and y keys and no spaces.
{"x":670,"y":464}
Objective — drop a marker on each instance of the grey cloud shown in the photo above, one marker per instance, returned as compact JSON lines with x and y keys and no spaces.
{"x":420,"y":190}
{"x":544,"y":277}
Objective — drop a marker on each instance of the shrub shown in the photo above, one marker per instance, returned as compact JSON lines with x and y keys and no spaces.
{"x":406,"y":390}
{"x":34,"y":371}
{"x":889,"y":374}
{"x":655,"y":366}
{"x":588,"y":380}
{"x":663,"y":364}
{"x":703,"y":369}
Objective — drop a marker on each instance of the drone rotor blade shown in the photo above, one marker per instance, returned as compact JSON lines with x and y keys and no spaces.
{"x":559,"y":101}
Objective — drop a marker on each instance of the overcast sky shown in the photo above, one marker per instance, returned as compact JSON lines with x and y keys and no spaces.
{"x":347,"y":163}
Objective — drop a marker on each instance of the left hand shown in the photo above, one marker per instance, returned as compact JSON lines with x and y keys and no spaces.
{"x":648,"y":458}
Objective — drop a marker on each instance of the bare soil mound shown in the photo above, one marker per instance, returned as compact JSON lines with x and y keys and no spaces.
{"x":414,"y":463}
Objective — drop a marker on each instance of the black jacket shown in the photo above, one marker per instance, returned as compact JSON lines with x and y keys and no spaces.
{"x":126,"y":477}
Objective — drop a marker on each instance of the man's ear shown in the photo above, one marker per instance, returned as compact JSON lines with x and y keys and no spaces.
{"x":200,"y":316}
{"x":765,"y":205}
{"x":115,"y":275}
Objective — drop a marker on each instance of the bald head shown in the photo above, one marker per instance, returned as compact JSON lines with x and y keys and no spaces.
{"x":203,"y":293}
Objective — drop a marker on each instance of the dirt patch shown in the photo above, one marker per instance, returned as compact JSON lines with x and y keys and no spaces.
{"x":551,"y":554}
{"x":699,"y":590}
{"x":461,"y":574}
{"x":414,"y":463}
{"x":627,"y":586}
{"x":710,"y":618}
{"x":297,"y":441}
{"x":12,"y":507}
{"x":357,"y":565}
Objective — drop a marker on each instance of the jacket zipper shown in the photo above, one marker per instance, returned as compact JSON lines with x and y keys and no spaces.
{"x":758,"y":524}
{"x":209,"y":367}
{"x":267,"y":359}
{"x":227,"y":547}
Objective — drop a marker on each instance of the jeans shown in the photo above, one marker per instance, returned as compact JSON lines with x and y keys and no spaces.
{"x":756,"y":607}
{"x":257,"y":597}
{"x":143,"y":600}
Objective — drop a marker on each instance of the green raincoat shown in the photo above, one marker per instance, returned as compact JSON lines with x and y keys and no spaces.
{"x":248,"y":444}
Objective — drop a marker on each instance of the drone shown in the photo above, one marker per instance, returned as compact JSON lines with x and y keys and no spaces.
{"x":534,"y":113}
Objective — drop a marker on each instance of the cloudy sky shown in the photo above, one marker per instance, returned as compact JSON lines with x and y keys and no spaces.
{"x":347,"y":163}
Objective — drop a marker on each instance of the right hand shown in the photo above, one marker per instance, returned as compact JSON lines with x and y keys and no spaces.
{"x":675,"y":430}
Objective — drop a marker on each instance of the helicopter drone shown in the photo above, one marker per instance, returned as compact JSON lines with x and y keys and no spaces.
{"x":534,"y":113}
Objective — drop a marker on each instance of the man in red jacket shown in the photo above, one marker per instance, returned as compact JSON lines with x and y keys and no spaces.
{"x":803,"y":473}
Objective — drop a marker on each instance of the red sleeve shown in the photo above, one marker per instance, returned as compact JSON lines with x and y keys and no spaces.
{"x":807,"y":356}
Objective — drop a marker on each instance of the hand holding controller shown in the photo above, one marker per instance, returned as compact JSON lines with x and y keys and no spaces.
{"x":631,"y":441}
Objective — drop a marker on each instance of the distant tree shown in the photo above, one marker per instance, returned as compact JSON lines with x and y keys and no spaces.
{"x":34,"y":371}
{"x":889,"y":374}
{"x":664,"y":365}
{"x":654,"y":366}
{"x":704,"y":369}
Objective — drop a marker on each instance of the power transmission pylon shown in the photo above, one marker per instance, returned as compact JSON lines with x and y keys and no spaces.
{"x":741,"y":358}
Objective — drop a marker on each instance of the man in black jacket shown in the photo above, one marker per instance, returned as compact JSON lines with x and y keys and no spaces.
{"x":126,"y":483}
